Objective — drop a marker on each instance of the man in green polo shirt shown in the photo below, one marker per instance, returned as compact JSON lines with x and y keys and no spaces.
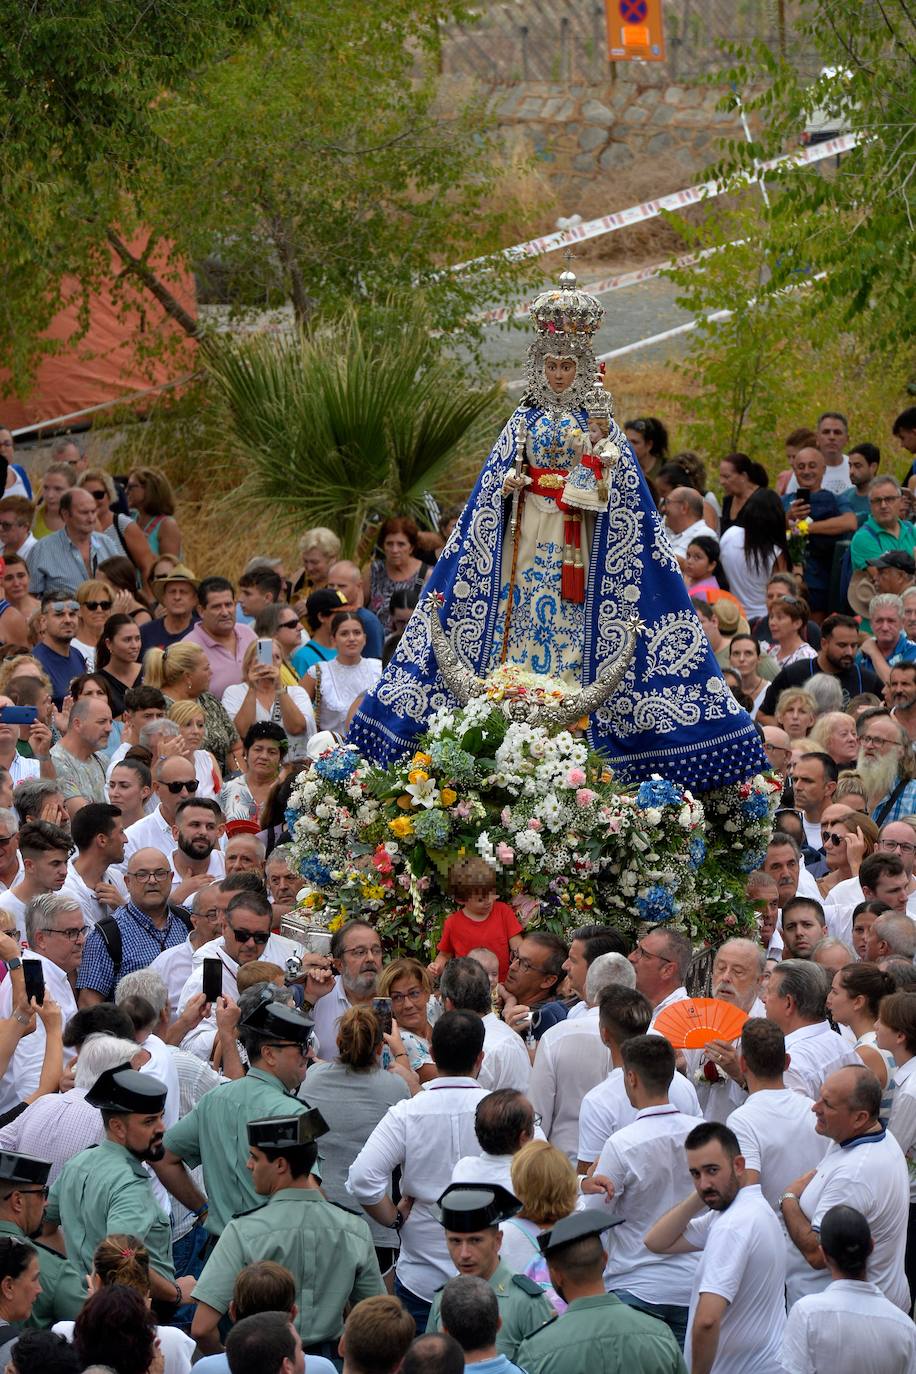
{"x":596,"y":1331}
{"x":23,"y":1191}
{"x":275,"y":1037}
{"x":328,"y":1250}
{"x":884,"y":529}
{"x":105,"y":1189}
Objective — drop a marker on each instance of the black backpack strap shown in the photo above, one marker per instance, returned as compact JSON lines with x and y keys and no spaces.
{"x":175,"y":909}
{"x":110,"y":932}
{"x":880,"y":815}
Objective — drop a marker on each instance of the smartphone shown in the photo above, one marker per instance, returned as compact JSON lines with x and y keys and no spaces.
{"x":34,"y":976}
{"x":382,"y":1008}
{"x":213,"y":979}
{"x":266,"y":653}
{"x":18,"y":715}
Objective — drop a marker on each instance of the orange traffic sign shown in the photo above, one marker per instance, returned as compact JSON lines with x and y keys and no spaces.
{"x":635,"y":30}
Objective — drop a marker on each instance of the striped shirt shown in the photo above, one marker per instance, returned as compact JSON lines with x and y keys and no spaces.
{"x":56,"y":564}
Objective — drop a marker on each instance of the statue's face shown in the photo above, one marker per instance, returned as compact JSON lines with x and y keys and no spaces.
{"x":560,"y":373}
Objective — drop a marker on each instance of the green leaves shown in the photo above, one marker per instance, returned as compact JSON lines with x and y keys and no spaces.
{"x":337,"y":430}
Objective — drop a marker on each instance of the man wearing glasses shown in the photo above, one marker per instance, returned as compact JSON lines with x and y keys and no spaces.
{"x":54,"y":650}
{"x":662,"y":960}
{"x":174,"y":780}
{"x":147,"y":925}
{"x":246,"y":936}
{"x":897,"y":838}
{"x":23,"y":1193}
{"x":54,"y":932}
{"x":356,"y":952}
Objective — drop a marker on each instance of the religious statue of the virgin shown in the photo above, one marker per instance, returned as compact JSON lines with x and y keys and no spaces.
{"x":557,"y":553}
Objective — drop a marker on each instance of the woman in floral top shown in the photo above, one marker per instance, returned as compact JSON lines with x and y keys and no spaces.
{"x":407,"y":983}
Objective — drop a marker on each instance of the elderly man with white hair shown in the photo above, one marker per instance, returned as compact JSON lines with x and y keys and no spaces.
{"x":54,"y":932}
{"x":572,"y":1058}
{"x":59,"y":1125}
{"x":737,"y":970}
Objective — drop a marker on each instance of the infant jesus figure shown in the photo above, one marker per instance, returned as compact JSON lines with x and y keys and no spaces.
{"x":586,"y":487}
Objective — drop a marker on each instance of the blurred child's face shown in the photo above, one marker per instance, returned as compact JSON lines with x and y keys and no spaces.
{"x":480,"y":902}
{"x":489,"y":962}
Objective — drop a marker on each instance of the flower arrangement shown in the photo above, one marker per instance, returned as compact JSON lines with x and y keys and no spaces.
{"x":542,"y":808}
{"x":798,"y":531}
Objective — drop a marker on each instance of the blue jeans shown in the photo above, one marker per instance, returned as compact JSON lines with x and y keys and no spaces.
{"x":189,"y":1257}
{"x":416,"y":1306}
{"x":675,"y":1318}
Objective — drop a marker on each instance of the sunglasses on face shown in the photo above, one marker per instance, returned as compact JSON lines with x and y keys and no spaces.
{"x":98,"y":605}
{"x":833,"y":838}
{"x":176,"y":787}
{"x":258,"y":937}
{"x":97,"y":495}
{"x":288,"y":625}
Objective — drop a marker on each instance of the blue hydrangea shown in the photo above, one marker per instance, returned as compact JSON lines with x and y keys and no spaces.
{"x":451,"y":762}
{"x":314,"y":871}
{"x":337,"y":766}
{"x":658,"y":792}
{"x":290,"y":816}
{"x":751,"y":859}
{"x":755,"y":806}
{"x":696,"y":851}
{"x":657,"y":905}
{"x":432,"y":827}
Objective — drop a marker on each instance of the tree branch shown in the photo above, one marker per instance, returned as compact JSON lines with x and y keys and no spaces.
{"x":138,"y":268}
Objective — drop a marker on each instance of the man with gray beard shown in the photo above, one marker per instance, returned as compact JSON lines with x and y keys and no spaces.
{"x":886,"y":765}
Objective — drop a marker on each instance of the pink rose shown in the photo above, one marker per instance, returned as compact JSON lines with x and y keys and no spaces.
{"x":535,"y":824}
{"x":505,"y":815}
{"x":731,"y":920}
{"x":463,"y":809}
{"x":585,"y":796}
{"x":575,"y":777}
{"x":505,"y":854}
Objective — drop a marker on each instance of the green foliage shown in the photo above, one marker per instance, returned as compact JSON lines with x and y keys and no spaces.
{"x":338,"y":430}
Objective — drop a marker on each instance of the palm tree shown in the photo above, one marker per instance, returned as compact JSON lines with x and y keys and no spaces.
{"x":346,"y":425}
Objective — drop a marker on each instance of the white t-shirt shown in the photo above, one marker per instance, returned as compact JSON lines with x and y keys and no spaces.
{"x":815,"y":1052}
{"x":747,"y":580}
{"x":835,"y":479}
{"x":744,"y":1261}
{"x":235,"y":695}
{"x":776,"y":1132}
{"x":647,"y":1164}
{"x":869,"y":1174}
{"x":851,"y":1325}
{"x":341,"y":684}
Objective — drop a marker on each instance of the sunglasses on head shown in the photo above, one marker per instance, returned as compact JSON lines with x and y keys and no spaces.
{"x":176,"y":787}
{"x":62,"y":607}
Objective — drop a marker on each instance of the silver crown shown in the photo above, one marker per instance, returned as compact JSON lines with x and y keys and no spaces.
{"x":567,"y":310}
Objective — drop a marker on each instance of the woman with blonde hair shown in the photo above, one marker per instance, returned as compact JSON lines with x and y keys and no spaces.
{"x":850,"y":790}
{"x":796,"y":712}
{"x":182,"y":673}
{"x":96,"y":602}
{"x":353,"y":1092}
{"x":835,"y":733}
{"x":192,"y":723}
{"x":124,"y":1260}
{"x":545,"y":1184}
{"x":318,"y":549}
{"x":408,"y":984}
{"x":153,"y":506}
{"x":262,"y":695}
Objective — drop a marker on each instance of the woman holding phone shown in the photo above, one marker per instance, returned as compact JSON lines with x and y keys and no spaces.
{"x":262,"y":695}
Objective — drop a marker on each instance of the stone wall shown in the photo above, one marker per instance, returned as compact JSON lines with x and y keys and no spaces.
{"x":582,"y":135}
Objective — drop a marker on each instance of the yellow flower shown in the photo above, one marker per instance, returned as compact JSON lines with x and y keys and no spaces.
{"x":448,"y":797}
{"x":422,"y":760}
{"x":803,"y":526}
{"x":405,"y":802}
{"x":336,"y":923}
{"x":312,"y":900}
{"x":402,"y":827}
{"x":417,"y":775}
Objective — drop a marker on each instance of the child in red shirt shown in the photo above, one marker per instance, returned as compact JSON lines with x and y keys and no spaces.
{"x":482,"y":921}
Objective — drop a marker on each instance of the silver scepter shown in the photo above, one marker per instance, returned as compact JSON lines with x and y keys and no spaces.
{"x":522,"y":438}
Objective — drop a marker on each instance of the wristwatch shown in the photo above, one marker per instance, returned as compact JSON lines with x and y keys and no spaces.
{"x":14,"y":963}
{"x":783,"y":1196}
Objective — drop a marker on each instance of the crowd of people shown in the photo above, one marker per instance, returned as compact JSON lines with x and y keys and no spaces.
{"x":218,"y":1148}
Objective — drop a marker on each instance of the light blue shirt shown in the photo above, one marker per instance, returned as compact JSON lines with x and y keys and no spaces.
{"x":314,"y":1364}
{"x":55,"y":564}
{"x":501,"y":1364}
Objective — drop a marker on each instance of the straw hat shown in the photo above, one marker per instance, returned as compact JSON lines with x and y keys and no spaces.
{"x":180,"y":573}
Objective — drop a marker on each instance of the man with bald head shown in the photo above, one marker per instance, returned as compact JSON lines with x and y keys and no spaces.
{"x":174,"y":779}
{"x":146,"y":923}
{"x":866,"y":1169}
{"x":736,"y":973}
{"x":684,"y":520}
{"x":892,"y":933}
{"x":346,"y":578}
{"x":778,"y":748}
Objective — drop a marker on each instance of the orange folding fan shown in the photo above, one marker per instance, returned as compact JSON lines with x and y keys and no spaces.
{"x":691,"y":1024}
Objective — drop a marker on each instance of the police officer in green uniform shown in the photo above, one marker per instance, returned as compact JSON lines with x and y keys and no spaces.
{"x":23,"y":1190}
{"x":328,"y":1250}
{"x":470,"y":1214}
{"x":597,"y":1333}
{"x":105,"y":1189}
{"x":275,"y":1037}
